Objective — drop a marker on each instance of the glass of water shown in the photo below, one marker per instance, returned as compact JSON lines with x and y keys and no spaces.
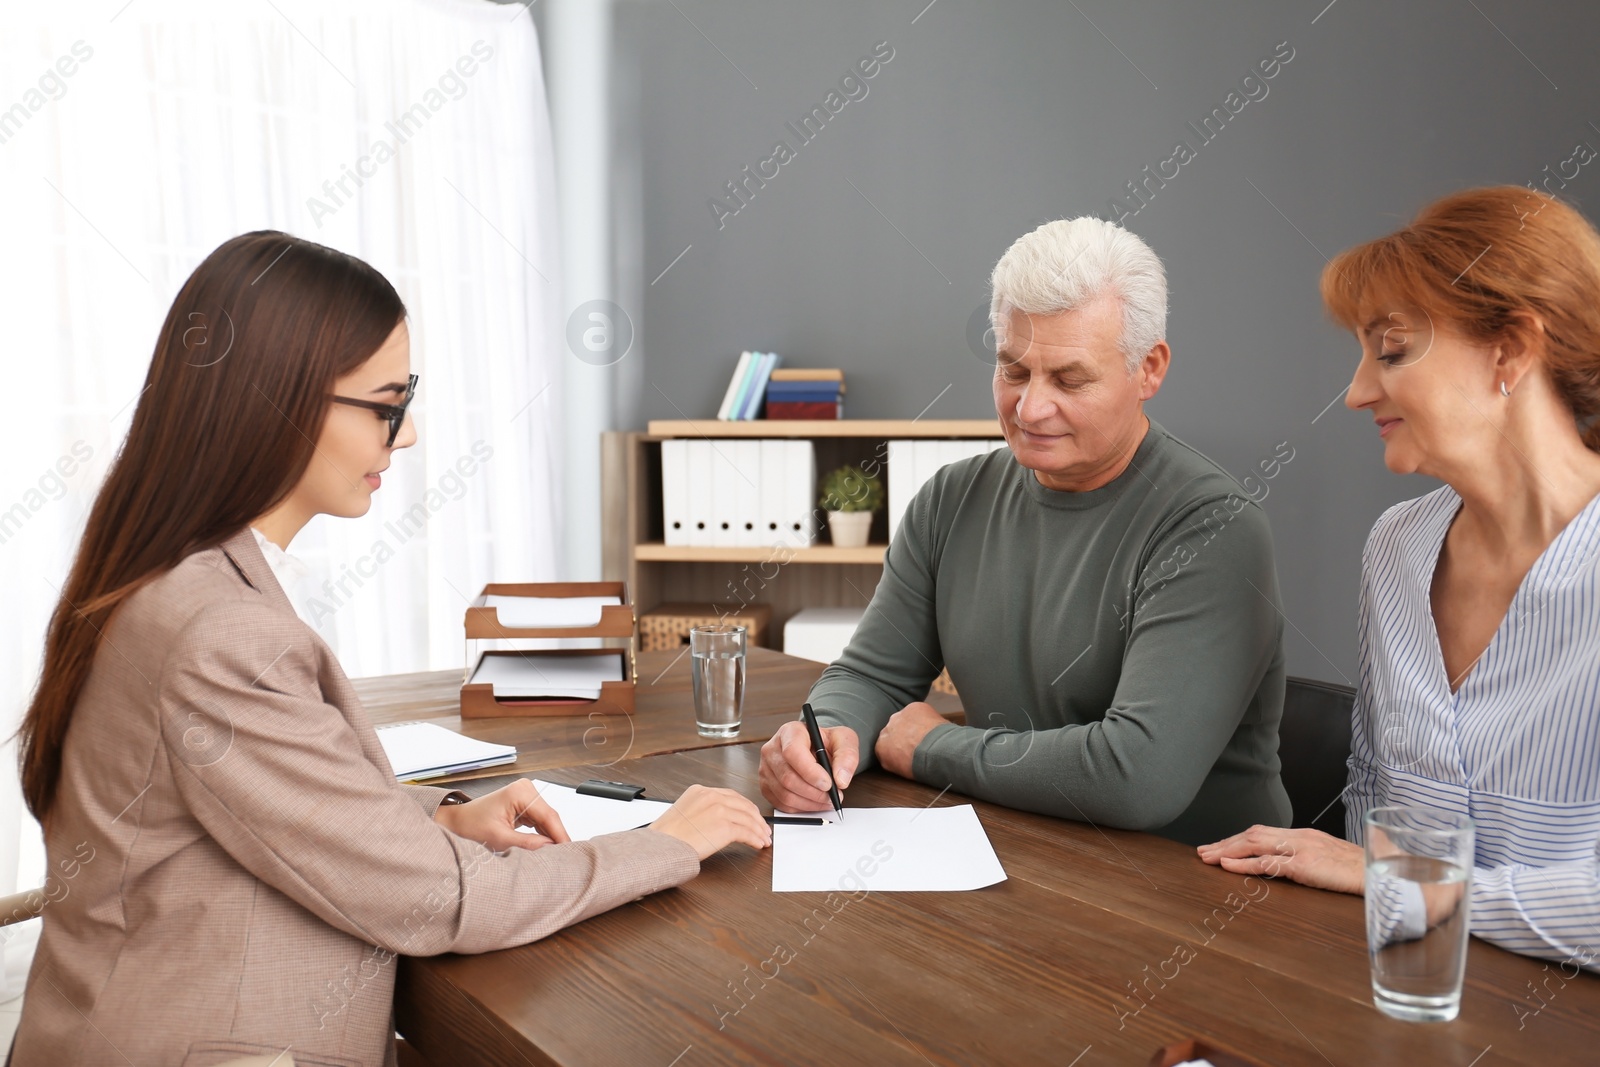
{"x":716,"y":657}
{"x":1419,"y":897}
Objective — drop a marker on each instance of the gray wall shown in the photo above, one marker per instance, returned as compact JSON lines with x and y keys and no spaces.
{"x":994,"y":117}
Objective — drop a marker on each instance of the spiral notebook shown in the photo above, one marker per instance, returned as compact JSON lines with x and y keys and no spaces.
{"x":427,"y":750}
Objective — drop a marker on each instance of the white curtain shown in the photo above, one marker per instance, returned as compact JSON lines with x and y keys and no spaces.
{"x":135,"y":138}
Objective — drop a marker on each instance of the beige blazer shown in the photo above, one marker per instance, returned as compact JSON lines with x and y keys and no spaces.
{"x":233,"y":867}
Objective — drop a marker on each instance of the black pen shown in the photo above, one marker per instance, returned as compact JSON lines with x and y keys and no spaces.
{"x":794,"y":820}
{"x":820,"y":751}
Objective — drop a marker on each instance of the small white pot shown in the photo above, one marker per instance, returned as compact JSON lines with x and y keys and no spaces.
{"x":849,"y":528}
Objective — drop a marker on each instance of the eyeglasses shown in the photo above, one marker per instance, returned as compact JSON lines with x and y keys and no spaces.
{"x":395,"y":413}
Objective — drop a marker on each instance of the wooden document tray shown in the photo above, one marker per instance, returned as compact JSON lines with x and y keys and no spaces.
{"x":616,"y":698}
{"x":483,"y":624}
{"x":616,"y":620}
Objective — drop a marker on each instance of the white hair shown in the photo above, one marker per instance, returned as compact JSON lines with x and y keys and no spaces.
{"x":1067,"y":264}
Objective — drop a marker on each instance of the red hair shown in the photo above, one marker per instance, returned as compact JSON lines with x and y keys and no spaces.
{"x":1483,"y":261}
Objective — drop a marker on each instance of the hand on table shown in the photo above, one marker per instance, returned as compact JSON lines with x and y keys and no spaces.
{"x":793,"y":780}
{"x":708,"y":820}
{"x":1309,"y":857}
{"x":493,"y":819}
{"x":899,"y":740}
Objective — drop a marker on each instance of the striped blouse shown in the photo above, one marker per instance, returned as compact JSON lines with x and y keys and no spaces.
{"x":1516,"y":747}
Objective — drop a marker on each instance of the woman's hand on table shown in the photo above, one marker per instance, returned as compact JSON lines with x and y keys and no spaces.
{"x":493,"y":819}
{"x":1309,"y":857}
{"x":709,"y":820}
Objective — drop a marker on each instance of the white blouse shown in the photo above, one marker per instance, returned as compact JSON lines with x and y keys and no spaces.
{"x":1516,"y":747}
{"x":289,"y":570}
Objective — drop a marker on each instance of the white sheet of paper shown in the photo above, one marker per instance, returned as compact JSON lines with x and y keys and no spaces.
{"x":547,"y":674}
{"x":523,"y":612}
{"x":885,"y":849}
{"x":586,"y":816}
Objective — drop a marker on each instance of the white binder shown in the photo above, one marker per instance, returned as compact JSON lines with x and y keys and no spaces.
{"x":912,"y":463}
{"x":724,"y":486}
{"x":675,"y":491}
{"x":953,"y":452}
{"x":800,"y":494}
{"x":700,"y":457}
{"x":771,"y":524}
{"x":902,"y":484}
{"x":746,"y":456}
{"x":924,"y":461}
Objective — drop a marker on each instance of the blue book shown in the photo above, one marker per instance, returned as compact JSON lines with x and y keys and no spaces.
{"x":745,"y":382}
{"x":823,"y":389}
{"x":725,"y":409}
{"x":769,"y":362}
{"x":816,"y":396}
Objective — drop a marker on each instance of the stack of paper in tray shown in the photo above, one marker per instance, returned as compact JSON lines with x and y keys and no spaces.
{"x":556,"y":612}
{"x":543,"y":675}
{"x":806,"y":393}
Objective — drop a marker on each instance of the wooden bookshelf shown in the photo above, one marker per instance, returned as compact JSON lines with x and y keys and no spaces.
{"x":635,"y":551}
{"x":656,"y":552}
{"x":884,"y":428}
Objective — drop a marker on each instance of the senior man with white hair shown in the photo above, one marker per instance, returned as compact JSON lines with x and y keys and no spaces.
{"x":1102,"y":594}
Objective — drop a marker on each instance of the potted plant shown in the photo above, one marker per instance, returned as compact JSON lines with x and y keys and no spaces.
{"x":850,"y":495}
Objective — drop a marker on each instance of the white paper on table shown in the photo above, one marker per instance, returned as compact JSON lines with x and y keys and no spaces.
{"x":585,"y":816}
{"x":532,"y":612}
{"x":548,"y":674}
{"x":428,"y":750}
{"x":885,"y":849}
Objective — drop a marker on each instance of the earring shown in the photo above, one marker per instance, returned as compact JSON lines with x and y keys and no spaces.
{"x":1504,"y":391}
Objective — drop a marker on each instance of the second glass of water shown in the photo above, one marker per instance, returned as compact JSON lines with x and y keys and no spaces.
{"x":717,"y":655}
{"x":1419,"y":896}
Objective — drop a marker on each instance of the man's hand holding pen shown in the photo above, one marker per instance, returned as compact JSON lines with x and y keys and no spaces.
{"x":793,"y":780}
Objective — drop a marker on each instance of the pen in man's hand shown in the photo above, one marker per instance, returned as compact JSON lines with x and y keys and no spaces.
{"x":820,"y":751}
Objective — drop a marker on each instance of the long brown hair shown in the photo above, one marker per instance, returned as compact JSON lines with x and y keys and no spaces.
{"x":226,"y":425}
{"x":1483,"y":260}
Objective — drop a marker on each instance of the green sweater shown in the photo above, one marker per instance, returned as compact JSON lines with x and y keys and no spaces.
{"x":1119,"y":651}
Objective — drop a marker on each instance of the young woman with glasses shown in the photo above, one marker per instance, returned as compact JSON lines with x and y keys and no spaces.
{"x":240,"y":866}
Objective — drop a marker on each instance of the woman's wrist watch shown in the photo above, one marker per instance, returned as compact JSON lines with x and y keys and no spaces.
{"x":455,"y":796}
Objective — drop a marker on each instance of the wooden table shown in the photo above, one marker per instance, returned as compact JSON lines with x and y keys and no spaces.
{"x":1072,"y":961}
{"x":663,"y":718}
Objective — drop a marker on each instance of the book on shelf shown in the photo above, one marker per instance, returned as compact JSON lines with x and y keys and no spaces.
{"x":805,"y":409}
{"x":808,"y":374}
{"x":792,"y":391}
{"x":728,"y":398}
{"x":748,"y":386}
{"x":798,"y":392}
{"x":746,"y":377}
{"x":806,"y":393}
{"x":769,"y":362}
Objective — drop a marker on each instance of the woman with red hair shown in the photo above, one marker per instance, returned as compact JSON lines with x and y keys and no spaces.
{"x":1479,"y":327}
